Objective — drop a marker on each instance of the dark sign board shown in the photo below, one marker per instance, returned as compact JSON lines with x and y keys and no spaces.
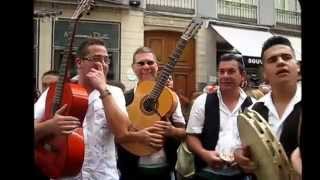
{"x":250,"y":61}
{"x":109,"y":32}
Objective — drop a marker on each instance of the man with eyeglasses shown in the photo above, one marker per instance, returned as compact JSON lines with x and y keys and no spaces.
{"x":212,"y":133}
{"x":106,"y":117}
{"x":159,"y":165}
{"x":281,"y":107}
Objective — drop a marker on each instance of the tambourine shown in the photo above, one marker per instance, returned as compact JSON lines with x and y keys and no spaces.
{"x":266,"y":151}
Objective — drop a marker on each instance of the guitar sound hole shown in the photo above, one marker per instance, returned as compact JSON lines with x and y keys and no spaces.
{"x":149,"y":105}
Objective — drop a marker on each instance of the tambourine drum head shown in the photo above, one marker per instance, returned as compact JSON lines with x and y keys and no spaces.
{"x":262,"y":146}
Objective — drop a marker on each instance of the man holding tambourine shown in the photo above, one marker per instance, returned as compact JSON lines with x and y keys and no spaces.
{"x":281,"y":107}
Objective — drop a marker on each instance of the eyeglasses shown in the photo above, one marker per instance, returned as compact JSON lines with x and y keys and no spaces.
{"x":142,"y":63}
{"x":98,"y":58}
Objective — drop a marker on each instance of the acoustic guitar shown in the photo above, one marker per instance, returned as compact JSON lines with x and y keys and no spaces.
{"x":62,"y":155}
{"x":152,"y":100}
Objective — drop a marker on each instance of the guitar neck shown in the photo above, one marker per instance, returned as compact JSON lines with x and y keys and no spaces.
{"x":63,"y":69}
{"x":190,"y":31}
{"x":168,"y":69}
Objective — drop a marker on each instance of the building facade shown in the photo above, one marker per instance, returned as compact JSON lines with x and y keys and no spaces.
{"x":125,"y":25}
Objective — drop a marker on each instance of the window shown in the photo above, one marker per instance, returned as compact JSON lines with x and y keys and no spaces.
{"x":289,"y":5}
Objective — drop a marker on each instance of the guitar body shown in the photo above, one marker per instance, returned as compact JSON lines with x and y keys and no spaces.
{"x":141,"y":118}
{"x":63,"y":155}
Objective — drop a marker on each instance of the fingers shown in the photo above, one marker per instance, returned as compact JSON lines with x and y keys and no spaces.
{"x":68,"y":121}
{"x":241,"y":157}
{"x":162,"y":125}
{"x":99,"y":66}
{"x":155,"y":145}
{"x":249,"y":168}
{"x":68,"y":127}
{"x":62,"y":109}
{"x":67,"y":132}
{"x":156,"y":136}
{"x":157,"y":130}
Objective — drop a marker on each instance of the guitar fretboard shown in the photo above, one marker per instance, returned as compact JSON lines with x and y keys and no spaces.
{"x":168,"y":69}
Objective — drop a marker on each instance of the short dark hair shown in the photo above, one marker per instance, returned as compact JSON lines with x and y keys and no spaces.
{"x":276,"y":40}
{"x":83,"y":48}
{"x":143,"y":50}
{"x":233,"y":56}
{"x":51,"y":72}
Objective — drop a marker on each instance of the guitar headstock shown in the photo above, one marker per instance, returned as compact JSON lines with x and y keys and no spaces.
{"x":84,"y":7}
{"x":192,"y":28}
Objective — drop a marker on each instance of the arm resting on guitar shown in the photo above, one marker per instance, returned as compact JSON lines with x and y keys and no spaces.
{"x":57,"y":125}
{"x":146,"y":136}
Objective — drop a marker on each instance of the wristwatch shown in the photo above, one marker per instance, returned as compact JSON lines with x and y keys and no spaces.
{"x":105,"y":93}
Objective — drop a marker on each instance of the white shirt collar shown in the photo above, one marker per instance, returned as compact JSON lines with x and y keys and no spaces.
{"x":241,"y":99}
{"x":267,"y":100}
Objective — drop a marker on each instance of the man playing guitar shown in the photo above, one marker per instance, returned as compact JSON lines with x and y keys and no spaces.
{"x":106,"y":117}
{"x":160,"y":164}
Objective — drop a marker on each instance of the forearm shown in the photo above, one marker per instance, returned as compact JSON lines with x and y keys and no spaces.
{"x":129,"y":136}
{"x":41,"y":130}
{"x":117,"y":119}
{"x":179,"y":133}
{"x":195,"y":146}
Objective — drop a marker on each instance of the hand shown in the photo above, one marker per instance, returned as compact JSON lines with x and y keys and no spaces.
{"x":152,"y":136}
{"x":97,"y":77}
{"x":296,"y":161}
{"x":242,"y":157}
{"x":213,"y":160}
{"x":165,"y":128}
{"x":60,"y":124}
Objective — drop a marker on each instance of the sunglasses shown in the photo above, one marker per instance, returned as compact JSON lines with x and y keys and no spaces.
{"x":142,"y":63}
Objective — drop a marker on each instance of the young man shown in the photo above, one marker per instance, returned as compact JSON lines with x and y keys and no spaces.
{"x":160,"y":165}
{"x":106,"y":117}
{"x":212,"y":132}
{"x":281,"y":107}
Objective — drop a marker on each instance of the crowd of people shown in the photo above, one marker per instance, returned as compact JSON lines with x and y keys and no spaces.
{"x":207,"y":121}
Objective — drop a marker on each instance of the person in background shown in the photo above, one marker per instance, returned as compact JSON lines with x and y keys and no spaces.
{"x":48,"y":78}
